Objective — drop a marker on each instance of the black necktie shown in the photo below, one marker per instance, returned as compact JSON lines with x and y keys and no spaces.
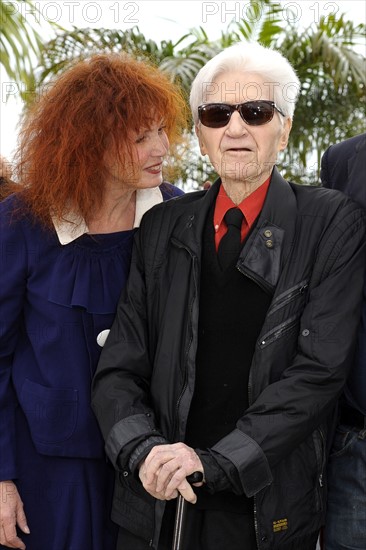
{"x":230,"y":244}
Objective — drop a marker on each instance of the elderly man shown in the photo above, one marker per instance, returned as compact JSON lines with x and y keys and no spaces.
{"x":235,"y":333}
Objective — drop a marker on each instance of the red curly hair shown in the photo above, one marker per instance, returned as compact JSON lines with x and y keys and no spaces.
{"x":66,"y":132}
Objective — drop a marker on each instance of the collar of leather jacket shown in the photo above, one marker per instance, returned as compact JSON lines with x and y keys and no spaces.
{"x":266,"y":248}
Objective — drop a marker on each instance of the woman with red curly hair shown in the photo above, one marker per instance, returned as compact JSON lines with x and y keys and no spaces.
{"x":89,"y":165}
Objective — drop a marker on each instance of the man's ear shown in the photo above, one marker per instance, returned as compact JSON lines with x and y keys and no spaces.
{"x":201,"y":142}
{"x":285,"y":134}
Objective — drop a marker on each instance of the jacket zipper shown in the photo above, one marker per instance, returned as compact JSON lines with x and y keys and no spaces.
{"x":286,"y":297}
{"x":320,"y":456}
{"x":176,"y":430}
{"x":264,"y":286}
{"x":175,"y":426}
{"x":323,"y":458}
{"x":269,"y":290}
{"x":184,"y":387}
{"x":278,"y":331}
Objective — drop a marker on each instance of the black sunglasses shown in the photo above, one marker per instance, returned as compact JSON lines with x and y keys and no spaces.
{"x":254,"y":113}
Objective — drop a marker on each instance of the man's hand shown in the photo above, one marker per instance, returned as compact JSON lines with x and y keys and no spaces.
{"x":11,"y":515}
{"x":164,"y":471}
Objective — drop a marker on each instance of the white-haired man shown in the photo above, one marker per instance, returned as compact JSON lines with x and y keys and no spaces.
{"x":233,"y":339}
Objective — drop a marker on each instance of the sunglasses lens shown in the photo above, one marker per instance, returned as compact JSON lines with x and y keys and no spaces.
{"x":214,"y":115}
{"x":256,"y":113}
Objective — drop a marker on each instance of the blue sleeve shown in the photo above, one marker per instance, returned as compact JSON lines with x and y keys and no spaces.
{"x":13,"y":274}
{"x":170,"y":191}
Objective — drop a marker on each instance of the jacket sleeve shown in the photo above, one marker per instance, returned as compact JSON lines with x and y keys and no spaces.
{"x":120,"y":388}
{"x":288,"y":410}
{"x":324,"y":170}
{"x":13,"y":273}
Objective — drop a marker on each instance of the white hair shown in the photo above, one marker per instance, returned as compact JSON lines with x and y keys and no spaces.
{"x":249,"y":57}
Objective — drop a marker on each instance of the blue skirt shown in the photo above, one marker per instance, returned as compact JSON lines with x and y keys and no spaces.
{"x":67,"y":501}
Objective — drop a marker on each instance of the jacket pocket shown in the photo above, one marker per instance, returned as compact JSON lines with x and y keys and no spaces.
{"x":343,"y":442}
{"x":133,"y":509}
{"x":288,"y":296}
{"x":279,"y":331}
{"x":51,"y":413}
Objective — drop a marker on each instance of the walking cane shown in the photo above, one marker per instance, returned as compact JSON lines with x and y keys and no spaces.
{"x":180,"y":513}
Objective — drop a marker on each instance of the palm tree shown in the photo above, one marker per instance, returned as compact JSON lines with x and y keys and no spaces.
{"x":20,"y":43}
{"x":332,"y":101}
{"x":332,"y":98}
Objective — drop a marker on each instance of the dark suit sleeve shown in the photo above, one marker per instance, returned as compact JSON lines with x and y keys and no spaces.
{"x":324,"y":170}
{"x":343,"y":167}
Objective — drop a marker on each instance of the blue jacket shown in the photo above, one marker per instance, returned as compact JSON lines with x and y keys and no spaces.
{"x":55,"y":301}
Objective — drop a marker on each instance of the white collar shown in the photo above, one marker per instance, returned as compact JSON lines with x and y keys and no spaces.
{"x":74,"y":226}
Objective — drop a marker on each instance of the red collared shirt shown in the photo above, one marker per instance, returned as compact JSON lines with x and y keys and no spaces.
{"x":250,"y":206}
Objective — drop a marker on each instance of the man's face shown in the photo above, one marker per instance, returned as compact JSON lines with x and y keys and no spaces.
{"x":240,"y":152}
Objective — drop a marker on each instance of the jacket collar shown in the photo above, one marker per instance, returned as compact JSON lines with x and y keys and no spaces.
{"x":268,"y":245}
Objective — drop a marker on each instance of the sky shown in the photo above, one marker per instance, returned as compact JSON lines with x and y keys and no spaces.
{"x":157,"y":20}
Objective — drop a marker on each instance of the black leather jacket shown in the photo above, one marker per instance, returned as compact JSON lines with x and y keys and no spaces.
{"x":307,"y":250}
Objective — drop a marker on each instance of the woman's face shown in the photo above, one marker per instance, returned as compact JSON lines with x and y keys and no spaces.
{"x":150,"y":146}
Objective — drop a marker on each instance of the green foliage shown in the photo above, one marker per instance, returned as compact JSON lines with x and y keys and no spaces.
{"x":20,"y":43}
{"x":331,"y":105}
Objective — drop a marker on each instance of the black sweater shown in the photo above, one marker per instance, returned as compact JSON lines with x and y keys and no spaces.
{"x":232,"y":311}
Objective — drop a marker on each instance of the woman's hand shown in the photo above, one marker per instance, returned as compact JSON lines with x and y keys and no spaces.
{"x":164,"y":471}
{"x":11,"y":515}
